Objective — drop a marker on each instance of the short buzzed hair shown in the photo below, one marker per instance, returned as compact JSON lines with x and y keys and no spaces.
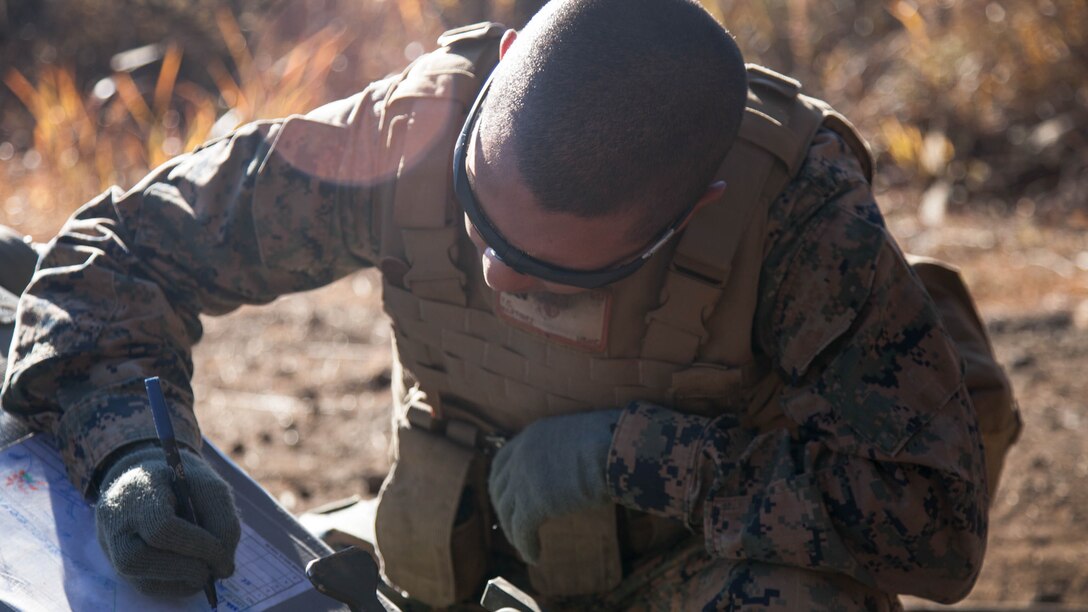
{"x":610,"y":104}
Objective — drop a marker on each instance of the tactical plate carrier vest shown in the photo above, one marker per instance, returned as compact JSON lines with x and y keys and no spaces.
{"x":473,"y":366}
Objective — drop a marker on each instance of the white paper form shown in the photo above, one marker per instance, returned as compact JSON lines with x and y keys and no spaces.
{"x":50,"y":558}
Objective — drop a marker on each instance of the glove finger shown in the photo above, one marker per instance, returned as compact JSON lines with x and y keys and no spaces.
{"x":504,"y":469}
{"x":503,"y":506}
{"x":504,"y":512}
{"x":175,"y":534}
{"x":506,"y":523}
{"x":525,"y":536}
{"x":503,"y":500}
{"x":165,"y":588}
{"x":133,"y":502}
{"x":215,"y":511}
{"x":498,"y":485}
{"x":213,"y":540}
{"x":501,"y":458}
{"x":222,"y":561}
{"x":135,"y":560}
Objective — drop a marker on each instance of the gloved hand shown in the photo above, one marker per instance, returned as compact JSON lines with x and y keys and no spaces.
{"x":138,"y":527}
{"x":554,"y":467}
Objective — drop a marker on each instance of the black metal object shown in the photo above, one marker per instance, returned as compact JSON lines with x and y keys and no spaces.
{"x":350,"y":576}
{"x":500,"y":595}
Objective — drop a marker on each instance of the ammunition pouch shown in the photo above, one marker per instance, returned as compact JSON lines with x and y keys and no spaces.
{"x":433,"y":520}
{"x":591,"y":538}
{"x":989,"y":388}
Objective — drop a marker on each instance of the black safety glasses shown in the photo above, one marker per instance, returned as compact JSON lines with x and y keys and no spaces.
{"x":519,"y":260}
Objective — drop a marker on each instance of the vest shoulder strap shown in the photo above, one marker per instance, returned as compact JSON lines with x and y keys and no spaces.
{"x":717,"y":253}
{"x":423,"y":113}
{"x":479,"y":32}
{"x":775,"y":132}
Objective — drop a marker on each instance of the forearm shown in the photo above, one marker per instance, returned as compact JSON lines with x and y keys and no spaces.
{"x":89,"y":327}
{"x":900,"y":527}
{"x":119,"y":292}
{"x":911,"y":523}
{"x":878,"y":473}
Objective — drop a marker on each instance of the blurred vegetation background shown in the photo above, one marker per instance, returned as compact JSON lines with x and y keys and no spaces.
{"x":977,"y":105}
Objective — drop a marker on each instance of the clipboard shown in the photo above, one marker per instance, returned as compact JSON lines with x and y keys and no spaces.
{"x":278,"y":547}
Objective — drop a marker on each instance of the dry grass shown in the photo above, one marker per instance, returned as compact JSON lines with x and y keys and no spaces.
{"x":85,"y":142}
{"x":987,"y":99}
{"x":934,"y":81}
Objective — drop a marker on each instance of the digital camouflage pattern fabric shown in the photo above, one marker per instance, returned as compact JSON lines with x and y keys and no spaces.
{"x":118,"y":295}
{"x":879,"y":476}
{"x":873,"y":486}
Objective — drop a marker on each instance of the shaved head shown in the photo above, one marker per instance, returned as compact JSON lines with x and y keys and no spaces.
{"x":612,"y":106}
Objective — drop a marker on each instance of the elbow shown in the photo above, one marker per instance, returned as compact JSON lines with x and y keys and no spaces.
{"x":948,"y":562}
{"x":944,"y":574}
{"x":953,"y":580}
{"x":934,"y":542}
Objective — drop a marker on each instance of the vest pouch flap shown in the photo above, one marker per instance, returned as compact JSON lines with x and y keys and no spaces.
{"x":707,"y":380}
{"x":422,"y":551}
{"x":706,"y":388}
{"x":676,"y":328}
{"x":476,"y":31}
{"x":579,"y":554}
{"x":432,"y":274}
{"x":846,"y":130}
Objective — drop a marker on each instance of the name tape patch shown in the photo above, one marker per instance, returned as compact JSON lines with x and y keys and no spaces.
{"x":579,"y":319}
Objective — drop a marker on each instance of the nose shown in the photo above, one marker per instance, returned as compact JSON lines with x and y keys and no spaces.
{"x":501,"y":277}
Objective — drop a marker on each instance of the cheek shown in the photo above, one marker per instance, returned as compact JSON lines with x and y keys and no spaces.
{"x":481,"y":247}
{"x":473,"y":235}
{"x":547,"y":287}
{"x":501,"y":277}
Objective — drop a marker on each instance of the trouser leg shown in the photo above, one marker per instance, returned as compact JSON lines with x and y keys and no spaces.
{"x":17,"y":261}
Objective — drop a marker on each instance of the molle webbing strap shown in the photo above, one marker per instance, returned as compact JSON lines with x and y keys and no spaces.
{"x":839,"y":124}
{"x":427,"y":478}
{"x":567,"y":542}
{"x":468,"y":357}
{"x":774,"y":136}
{"x":775,"y":132}
{"x":427,"y":108}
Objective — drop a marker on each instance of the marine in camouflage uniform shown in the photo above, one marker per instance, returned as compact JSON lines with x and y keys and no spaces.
{"x":869,"y":482}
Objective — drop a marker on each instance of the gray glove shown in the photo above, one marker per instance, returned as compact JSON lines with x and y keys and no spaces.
{"x":160,"y":553}
{"x":555,"y":466}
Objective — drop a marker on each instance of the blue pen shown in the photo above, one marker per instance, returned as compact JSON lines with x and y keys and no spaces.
{"x":165,"y":429}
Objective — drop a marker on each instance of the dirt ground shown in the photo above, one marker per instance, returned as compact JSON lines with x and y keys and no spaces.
{"x":297,"y":392}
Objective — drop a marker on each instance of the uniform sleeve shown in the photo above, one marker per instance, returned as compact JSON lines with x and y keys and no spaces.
{"x":275,"y":207}
{"x":879,"y":475}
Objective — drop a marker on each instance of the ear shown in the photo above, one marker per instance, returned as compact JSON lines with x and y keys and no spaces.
{"x":508,"y":38}
{"x":713,"y":192}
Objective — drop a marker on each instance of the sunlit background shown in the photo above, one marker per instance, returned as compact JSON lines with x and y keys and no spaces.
{"x":983,"y":103}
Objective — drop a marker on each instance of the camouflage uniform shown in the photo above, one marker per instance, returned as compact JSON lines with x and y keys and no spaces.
{"x":831,"y":492}
{"x":874,"y":487}
{"x":874,"y":484}
{"x":19,"y":259}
